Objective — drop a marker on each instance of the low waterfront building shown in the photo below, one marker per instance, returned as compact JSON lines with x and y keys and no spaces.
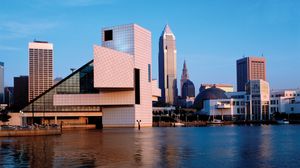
{"x":257,"y":100}
{"x":285,"y":101}
{"x":115,"y":89}
{"x":250,"y":105}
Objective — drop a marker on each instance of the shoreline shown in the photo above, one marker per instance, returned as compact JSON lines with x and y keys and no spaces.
{"x":30,"y":132}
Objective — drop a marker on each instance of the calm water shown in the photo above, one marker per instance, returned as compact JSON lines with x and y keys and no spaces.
{"x":227,"y":146}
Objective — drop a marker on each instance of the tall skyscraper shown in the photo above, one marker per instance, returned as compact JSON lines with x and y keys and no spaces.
{"x":167,"y":66}
{"x":40,"y":67}
{"x":184,"y":76}
{"x":1,"y":82}
{"x":250,"y":68}
{"x":20,"y":92}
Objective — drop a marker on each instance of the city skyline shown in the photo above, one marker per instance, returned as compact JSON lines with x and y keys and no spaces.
{"x":207,"y":33}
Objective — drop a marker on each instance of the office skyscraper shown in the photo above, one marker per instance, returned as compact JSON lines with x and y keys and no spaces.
{"x":1,"y":82}
{"x":250,"y":68}
{"x":167,"y":66}
{"x":184,"y":76}
{"x":40,"y":67}
{"x":20,"y":92}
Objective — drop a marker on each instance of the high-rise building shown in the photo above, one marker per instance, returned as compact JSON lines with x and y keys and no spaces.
{"x":250,"y":68}
{"x":184,"y":76}
{"x":1,"y":82}
{"x":20,"y":92}
{"x":167,"y":66}
{"x":40,"y":67}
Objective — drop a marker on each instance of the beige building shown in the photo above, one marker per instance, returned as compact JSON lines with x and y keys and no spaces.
{"x":250,"y":68}
{"x":40,"y":67}
{"x":258,"y":100}
{"x":167,"y":67}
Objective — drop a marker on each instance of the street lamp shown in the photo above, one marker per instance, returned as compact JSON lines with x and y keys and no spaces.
{"x":21,"y":117}
{"x":139,"y":123}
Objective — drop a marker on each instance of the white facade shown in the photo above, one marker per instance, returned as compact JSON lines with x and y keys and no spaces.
{"x":232,"y":108}
{"x":285,"y":101}
{"x":258,"y":100}
{"x":250,"y":105}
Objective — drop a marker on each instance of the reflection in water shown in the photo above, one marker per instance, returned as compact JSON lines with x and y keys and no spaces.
{"x":228,"y":146}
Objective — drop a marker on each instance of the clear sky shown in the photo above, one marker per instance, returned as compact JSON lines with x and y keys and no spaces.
{"x":211,"y":34}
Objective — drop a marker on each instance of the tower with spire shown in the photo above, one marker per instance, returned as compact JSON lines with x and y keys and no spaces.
{"x":167,"y":66}
{"x":184,"y":76}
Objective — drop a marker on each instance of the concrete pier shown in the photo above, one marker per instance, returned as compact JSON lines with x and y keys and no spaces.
{"x":30,"y":132}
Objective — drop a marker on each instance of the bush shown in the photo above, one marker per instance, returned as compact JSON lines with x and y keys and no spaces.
{"x":4,"y":117}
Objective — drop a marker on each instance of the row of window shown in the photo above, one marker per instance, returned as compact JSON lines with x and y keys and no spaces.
{"x":238,"y":103}
{"x":282,"y":95}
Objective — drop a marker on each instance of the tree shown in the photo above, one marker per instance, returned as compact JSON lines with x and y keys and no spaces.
{"x":4,"y":117}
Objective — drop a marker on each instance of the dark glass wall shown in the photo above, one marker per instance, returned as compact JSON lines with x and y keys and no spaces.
{"x":79,"y":82}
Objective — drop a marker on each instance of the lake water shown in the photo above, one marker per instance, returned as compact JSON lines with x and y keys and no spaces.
{"x":220,"y":146}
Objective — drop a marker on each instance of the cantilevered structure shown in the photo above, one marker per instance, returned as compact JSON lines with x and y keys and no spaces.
{"x":115,"y":89}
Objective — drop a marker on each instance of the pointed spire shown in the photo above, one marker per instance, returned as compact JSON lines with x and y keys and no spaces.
{"x":184,"y":75}
{"x":184,"y":65}
{"x":167,"y":30}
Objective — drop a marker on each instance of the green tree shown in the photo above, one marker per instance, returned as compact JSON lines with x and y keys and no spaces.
{"x":4,"y":117}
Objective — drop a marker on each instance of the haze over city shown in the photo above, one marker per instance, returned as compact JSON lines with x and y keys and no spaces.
{"x":210,"y":35}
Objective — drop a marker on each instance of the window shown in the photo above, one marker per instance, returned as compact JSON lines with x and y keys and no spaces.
{"x":167,"y":81}
{"x":149,"y":72}
{"x":292,"y":108}
{"x":137,"y":86}
{"x":108,"y":35}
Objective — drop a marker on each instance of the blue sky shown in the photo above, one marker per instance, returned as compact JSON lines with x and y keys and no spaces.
{"x":211,"y":34}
